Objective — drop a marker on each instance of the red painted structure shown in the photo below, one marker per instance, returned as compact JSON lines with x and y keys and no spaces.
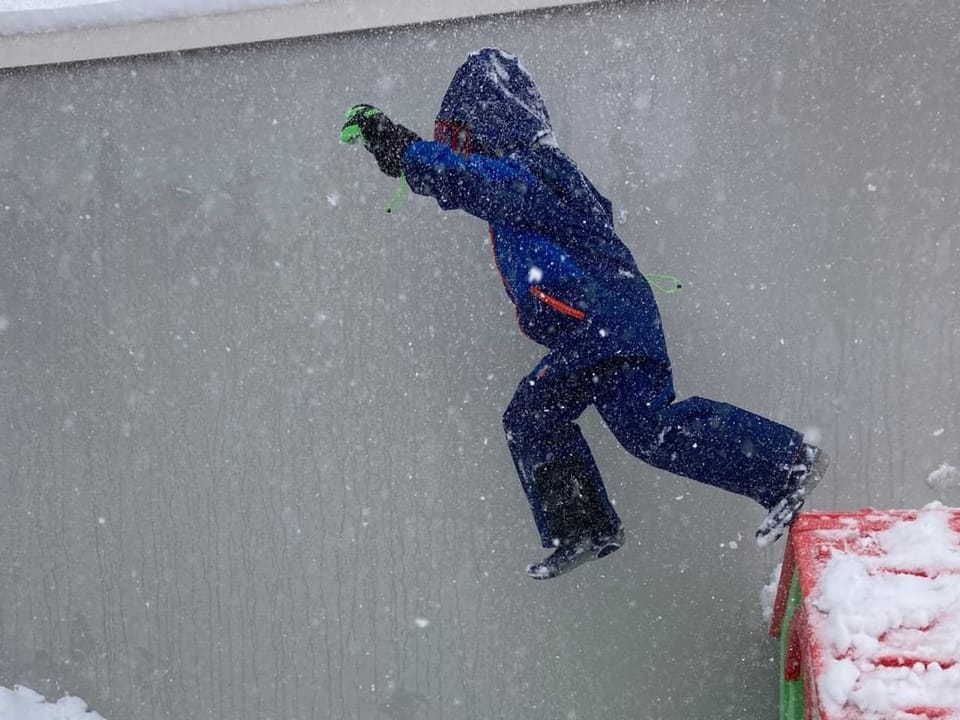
{"x":814,"y":541}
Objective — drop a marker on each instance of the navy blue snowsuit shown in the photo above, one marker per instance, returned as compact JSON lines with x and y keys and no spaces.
{"x":578,"y":291}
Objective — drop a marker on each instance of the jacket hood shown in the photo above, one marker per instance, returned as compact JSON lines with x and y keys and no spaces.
{"x":497,"y":100}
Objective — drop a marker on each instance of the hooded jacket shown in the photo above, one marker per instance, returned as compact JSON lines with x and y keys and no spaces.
{"x":568,"y":274}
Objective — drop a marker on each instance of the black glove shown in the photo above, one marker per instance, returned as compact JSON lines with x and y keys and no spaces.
{"x":384,"y":138}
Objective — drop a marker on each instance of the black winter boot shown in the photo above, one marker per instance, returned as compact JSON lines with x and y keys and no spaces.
{"x":571,"y":555}
{"x":802,"y":478}
{"x":582,"y":524}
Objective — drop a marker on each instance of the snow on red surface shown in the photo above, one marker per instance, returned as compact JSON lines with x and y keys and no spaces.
{"x":879,"y":625}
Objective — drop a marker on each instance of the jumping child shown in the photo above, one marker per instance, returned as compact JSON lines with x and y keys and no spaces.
{"x":578,"y":291}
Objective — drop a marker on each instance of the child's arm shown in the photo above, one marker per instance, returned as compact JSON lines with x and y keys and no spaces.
{"x":495,"y":190}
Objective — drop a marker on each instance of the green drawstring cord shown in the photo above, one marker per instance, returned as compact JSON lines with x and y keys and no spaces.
{"x":399,"y":196}
{"x":667,"y":284}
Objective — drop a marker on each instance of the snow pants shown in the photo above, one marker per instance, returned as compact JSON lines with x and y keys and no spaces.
{"x":708,"y":441}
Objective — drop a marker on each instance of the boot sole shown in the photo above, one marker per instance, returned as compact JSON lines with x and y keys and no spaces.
{"x":544,"y":571}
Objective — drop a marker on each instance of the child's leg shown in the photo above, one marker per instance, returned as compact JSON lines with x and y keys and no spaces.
{"x":708,"y":441}
{"x":554,"y":462}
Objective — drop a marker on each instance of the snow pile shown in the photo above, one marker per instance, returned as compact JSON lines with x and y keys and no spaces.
{"x":890,"y":619}
{"x":24,"y":704}
{"x":33,"y":16}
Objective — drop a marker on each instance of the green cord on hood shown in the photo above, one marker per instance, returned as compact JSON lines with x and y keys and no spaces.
{"x":667,"y":284}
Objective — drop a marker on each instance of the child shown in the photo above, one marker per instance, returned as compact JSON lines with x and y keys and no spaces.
{"x":577,"y":291}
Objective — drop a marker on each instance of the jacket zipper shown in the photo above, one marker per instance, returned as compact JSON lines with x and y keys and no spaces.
{"x":558,"y":305}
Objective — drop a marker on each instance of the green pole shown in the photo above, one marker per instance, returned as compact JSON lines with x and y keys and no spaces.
{"x":792,"y":701}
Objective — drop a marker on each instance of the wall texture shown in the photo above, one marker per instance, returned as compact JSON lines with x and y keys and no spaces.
{"x":251,"y":455}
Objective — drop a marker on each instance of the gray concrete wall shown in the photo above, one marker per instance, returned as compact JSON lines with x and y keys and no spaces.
{"x":251,"y":453}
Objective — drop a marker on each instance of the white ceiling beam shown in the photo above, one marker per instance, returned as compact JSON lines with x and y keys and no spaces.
{"x":299,"y":19}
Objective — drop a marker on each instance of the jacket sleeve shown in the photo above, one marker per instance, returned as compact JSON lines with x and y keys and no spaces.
{"x":495,"y":190}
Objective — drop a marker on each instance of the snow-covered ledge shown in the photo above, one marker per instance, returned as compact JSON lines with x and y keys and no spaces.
{"x":37,"y":32}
